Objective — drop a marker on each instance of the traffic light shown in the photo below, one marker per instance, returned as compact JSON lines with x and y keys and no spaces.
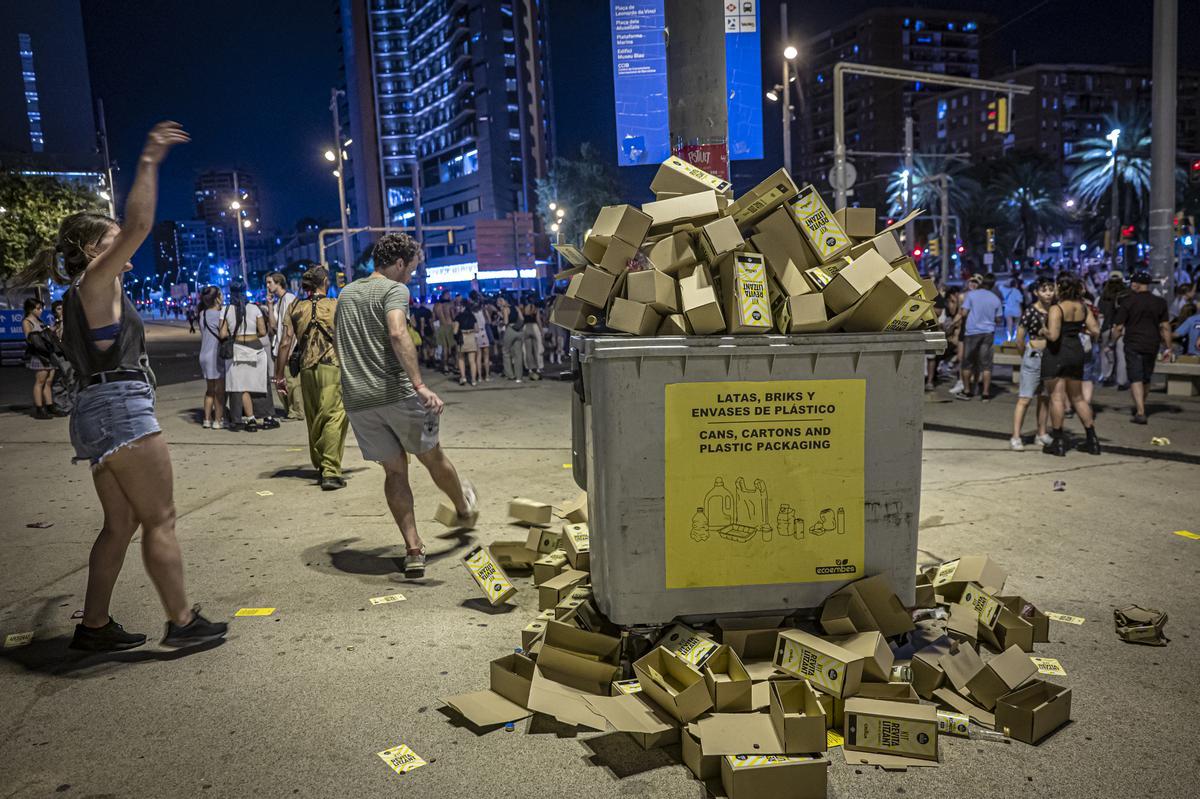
{"x":997,"y":115}
{"x":1194,"y":172}
{"x":935,"y":247}
{"x":1127,"y":233}
{"x":917,"y":253}
{"x":991,"y":239}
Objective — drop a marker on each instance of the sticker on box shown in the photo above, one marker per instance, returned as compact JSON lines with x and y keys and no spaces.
{"x":490,"y":578}
{"x":1049,"y":666}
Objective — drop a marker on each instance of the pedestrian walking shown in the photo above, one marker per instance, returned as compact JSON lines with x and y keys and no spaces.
{"x":307,"y":345}
{"x":980,"y":309}
{"x":1012,"y":297}
{"x":247,"y":371}
{"x":512,"y":342}
{"x":191,"y":318}
{"x":392,"y":411}
{"x":113,"y":424}
{"x":1112,"y":349}
{"x":1031,"y":341}
{"x":532,"y":336}
{"x":38,"y":358}
{"x":1062,"y":363}
{"x":212,"y":368}
{"x":483,"y":341}
{"x":279,"y":304}
{"x":1143,"y":324}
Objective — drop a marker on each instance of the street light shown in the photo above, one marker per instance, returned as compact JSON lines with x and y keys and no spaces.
{"x":1113,"y":137}
{"x":790,"y":53}
{"x":329,"y":156}
{"x":339,"y":155}
{"x":245,"y":224}
{"x":784,"y":93}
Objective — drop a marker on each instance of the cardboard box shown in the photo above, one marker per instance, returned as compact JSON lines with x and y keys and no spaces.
{"x":927,"y":672}
{"x":963,"y":624}
{"x":488,"y":575}
{"x":953,"y":575}
{"x":781,"y":242}
{"x":1003,"y":673}
{"x":750,"y":636}
{"x":548,"y":566}
{"x":672,"y":253}
{"x":506,"y":700}
{"x":646,"y":723}
{"x":1010,"y":630}
{"x":801,"y":314}
{"x":556,"y":589}
{"x":885,"y":242}
{"x":532,"y":633}
{"x":529,"y":511}
{"x":654,"y":288}
{"x":744,"y":280}
{"x":691,"y":646}
{"x":760,"y":776}
{"x":1027,"y":611}
{"x":893,"y":305}
{"x":572,"y":255}
{"x":830,"y":668}
{"x":719,"y":237}
{"x":728,"y":682}
{"x":823,"y":232}
{"x":866,"y":605}
{"x":587,"y":661}
{"x":576,"y":540}
{"x":891,"y":691}
{"x":926,"y":597}
{"x":592,"y":287}
{"x":764,"y":198}
{"x":986,"y":607}
{"x":620,"y":687}
{"x":1034,"y":711}
{"x":878,"y":658}
{"x":679,"y":176}
{"x":855,"y":281}
{"x":947,"y":697}
{"x":961,"y":665}
{"x":513,"y":555}
{"x":693,"y":209}
{"x":543,"y":540}
{"x":633,"y":317}
{"x":622,"y":223}
{"x":703,"y":767}
{"x":446,"y":515}
{"x":675,"y":324}
{"x":891,"y":728}
{"x":859,"y":223}
{"x":674,"y":685}
{"x":700,"y":305}
{"x":575,"y":511}
{"x":573,"y":314}
{"x":797,"y":717}
{"x":617,"y":257}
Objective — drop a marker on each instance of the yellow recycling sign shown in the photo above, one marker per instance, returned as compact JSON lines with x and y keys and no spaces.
{"x":764,"y":482}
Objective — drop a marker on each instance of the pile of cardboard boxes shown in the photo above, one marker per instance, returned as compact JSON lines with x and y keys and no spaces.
{"x":759,"y":702}
{"x":775,"y":260}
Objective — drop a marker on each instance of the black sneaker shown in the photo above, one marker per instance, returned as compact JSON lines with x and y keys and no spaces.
{"x":109,"y":638}
{"x":1138,"y":419}
{"x":332,"y":483}
{"x":251,"y":425}
{"x":58,"y":412}
{"x":198,"y":631}
{"x":270,"y":423}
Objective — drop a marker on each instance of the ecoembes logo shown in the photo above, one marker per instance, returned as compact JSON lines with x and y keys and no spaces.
{"x":841,"y":566}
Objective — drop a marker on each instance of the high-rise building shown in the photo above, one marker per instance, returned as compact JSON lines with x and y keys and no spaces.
{"x":944,"y":42}
{"x":181,"y":250}
{"x":447,"y":107}
{"x":47,"y":125}
{"x":215,"y":193}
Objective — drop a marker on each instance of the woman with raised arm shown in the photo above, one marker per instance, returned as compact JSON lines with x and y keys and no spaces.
{"x":113,"y":424}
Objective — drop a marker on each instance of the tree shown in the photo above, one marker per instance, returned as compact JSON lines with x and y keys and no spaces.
{"x":1025,"y":189}
{"x":580,"y":187}
{"x":926,"y":191}
{"x":1092,"y":167}
{"x":33,"y":207}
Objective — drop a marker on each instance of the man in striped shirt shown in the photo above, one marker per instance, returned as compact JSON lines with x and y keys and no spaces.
{"x":392,"y":411}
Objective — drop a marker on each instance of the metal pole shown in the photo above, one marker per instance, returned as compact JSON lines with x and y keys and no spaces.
{"x":839,"y":137}
{"x":1162,"y":143}
{"x":112,"y":189}
{"x":908,"y":183}
{"x":699,"y":106}
{"x":341,"y":173}
{"x":944,"y":196}
{"x":1114,"y":216}
{"x":785,"y":98}
{"x":237,"y":196}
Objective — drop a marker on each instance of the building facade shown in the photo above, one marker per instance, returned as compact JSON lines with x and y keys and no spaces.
{"x":447,"y":109}
{"x":952,"y":43}
{"x":182,"y":252}
{"x":215,"y":192}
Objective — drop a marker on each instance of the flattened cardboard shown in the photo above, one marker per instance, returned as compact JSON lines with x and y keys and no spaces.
{"x":672,"y":253}
{"x":572,"y":255}
{"x":529,"y":511}
{"x":507,"y":699}
{"x":877,"y":655}
{"x":675,"y":686}
{"x":702,"y":767}
{"x":542,"y":540}
{"x":797,"y":717}
{"x":830,"y":668}
{"x":953,"y":575}
{"x":679,"y":176}
{"x":576,"y":539}
{"x":855,"y":280}
{"x":1029,"y":612}
{"x":750,"y":636}
{"x":619,"y":687}
{"x":891,"y":728}
{"x":1004,"y":673}
{"x":759,"y":776}
{"x":1033,"y":711}
{"x":859,"y":223}
{"x":755,"y":204}
{"x":580,"y":659}
{"x":694,"y":209}
{"x":567,"y":704}
{"x":644,"y":721}
{"x":719,"y":237}
{"x":729,"y":684}
{"x":654,"y":288}
{"x":872,"y":605}
{"x":632,"y":317}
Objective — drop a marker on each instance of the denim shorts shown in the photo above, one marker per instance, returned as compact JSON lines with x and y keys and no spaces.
{"x":1031,"y":374}
{"x":108,"y":416}
{"x":386,"y":432}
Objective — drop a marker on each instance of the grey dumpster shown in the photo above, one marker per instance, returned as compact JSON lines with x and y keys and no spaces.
{"x":750,"y":473}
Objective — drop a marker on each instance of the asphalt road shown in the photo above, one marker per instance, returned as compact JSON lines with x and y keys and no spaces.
{"x":298,"y":703}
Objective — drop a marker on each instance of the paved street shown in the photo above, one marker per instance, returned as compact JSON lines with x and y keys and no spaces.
{"x":298,"y":703}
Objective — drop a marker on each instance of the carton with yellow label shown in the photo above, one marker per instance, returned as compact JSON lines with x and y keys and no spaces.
{"x":818,"y":224}
{"x":830,"y":668}
{"x":488,"y":575}
{"x":680,"y":177}
{"x":748,"y":303}
{"x":762,"y":199}
{"x":891,"y":728}
{"x":760,"y":776}
{"x":576,"y":540}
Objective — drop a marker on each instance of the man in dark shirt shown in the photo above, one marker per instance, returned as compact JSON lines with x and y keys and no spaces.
{"x":1143,"y":320}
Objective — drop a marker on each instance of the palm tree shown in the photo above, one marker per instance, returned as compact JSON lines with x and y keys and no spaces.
{"x":1093,"y":161}
{"x":1028,"y":196}
{"x":925,"y":185}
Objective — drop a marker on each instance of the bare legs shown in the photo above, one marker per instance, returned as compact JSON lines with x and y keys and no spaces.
{"x":1043,"y":411}
{"x":1064,"y":390}
{"x":214,"y":400}
{"x":1137,"y":390}
{"x":135,"y":486}
{"x":43,"y":388}
{"x":399,"y":493}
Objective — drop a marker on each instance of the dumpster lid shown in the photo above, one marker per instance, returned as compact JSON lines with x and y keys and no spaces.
{"x":611,"y":346}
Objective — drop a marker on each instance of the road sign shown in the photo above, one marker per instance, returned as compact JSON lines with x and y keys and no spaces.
{"x":845,"y":179}
{"x":988,"y":257}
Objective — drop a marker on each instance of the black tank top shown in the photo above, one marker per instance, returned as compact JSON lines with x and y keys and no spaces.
{"x":128,"y":351}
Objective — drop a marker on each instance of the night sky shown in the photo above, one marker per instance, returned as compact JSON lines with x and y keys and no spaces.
{"x":251,"y":80}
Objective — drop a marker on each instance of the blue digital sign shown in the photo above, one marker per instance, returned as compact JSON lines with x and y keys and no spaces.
{"x":640,"y":80}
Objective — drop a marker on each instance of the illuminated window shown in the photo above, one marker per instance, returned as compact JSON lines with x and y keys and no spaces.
{"x":29,"y":78}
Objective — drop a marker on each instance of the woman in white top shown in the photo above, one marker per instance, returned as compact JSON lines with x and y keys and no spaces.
{"x":248,"y":370}
{"x":210,"y":358}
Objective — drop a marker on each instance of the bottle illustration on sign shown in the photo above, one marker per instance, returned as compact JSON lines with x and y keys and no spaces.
{"x":831,"y":521}
{"x":699,"y":526}
{"x":789,"y":525}
{"x":718,"y":506}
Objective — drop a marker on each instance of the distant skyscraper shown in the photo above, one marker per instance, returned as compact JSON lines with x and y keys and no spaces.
{"x":181,"y":250}
{"x":447,"y":104}
{"x":47,"y":125}
{"x":215,"y":194}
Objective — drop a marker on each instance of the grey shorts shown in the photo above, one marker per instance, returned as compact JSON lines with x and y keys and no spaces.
{"x":977,"y":352}
{"x":1031,"y":374}
{"x":109,"y":416}
{"x":388,"y":431}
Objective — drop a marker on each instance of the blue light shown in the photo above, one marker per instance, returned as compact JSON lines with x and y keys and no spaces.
{"x":920,"y":26}
{"x":856,"y":49}
{"x":970,"y":26}
{"x":1055,"y":244}
{"x":1083,"y":248}
{"x":950,"y":26}
{"x":907,"y":21}
{"x":1187,"y":241}
{"x":941,"y":110}
{"x":820,"y":78}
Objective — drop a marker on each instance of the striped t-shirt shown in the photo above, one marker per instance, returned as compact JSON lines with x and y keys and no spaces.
{"x":371,"y":373}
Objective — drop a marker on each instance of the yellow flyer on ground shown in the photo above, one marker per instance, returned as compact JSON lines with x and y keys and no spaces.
{"x":401,"y":759}
{"x":764,"y":482}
